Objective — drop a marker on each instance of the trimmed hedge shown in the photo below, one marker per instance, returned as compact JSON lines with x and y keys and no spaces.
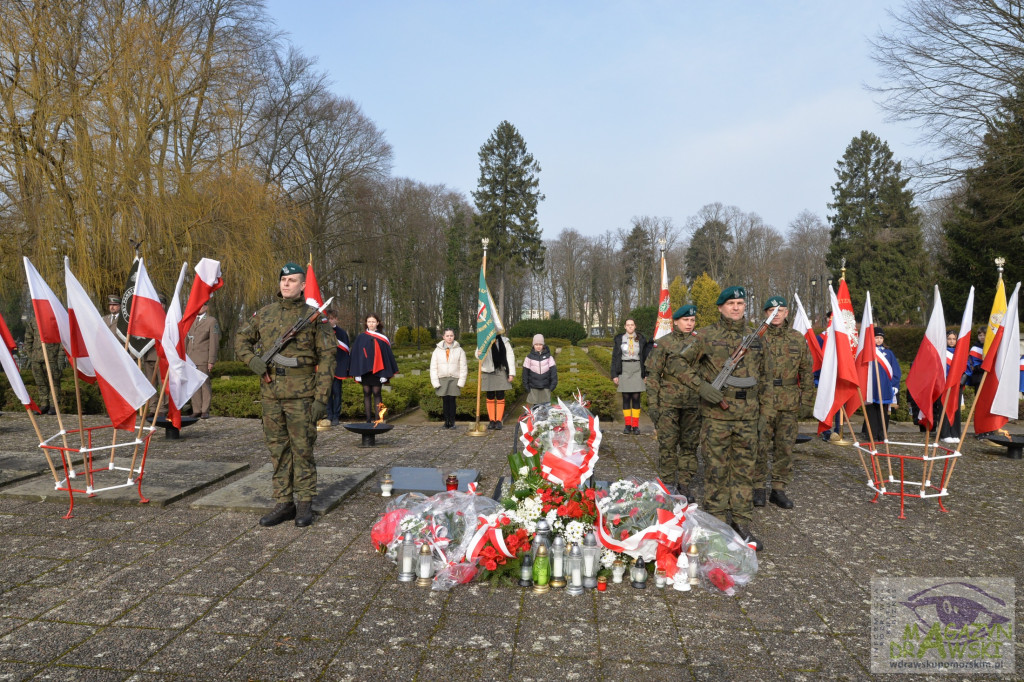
{"x":558,"y":329}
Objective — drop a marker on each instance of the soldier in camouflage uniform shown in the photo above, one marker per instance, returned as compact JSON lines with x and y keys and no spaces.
{"x":729,"y":436}
{"x":34,"y":348}
{"x":793,"y":396}
{"x":293,"y":392}
{"x":673,"y":406}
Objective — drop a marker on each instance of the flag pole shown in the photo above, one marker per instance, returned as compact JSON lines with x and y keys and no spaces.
{"x":929,"y":465}
{"x":476,"y":430}
{"x":881,"y":406}
{"x":877,"y":476}
{"x":53,"y":392}
{"x":46,"y":452}
{"x":963,"y":431}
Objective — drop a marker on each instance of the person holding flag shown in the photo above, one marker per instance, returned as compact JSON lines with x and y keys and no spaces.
{"x":494,"y":351}
{"x":293,"y":392}
{"x":792,"y":378}
{"x":883,"y":388}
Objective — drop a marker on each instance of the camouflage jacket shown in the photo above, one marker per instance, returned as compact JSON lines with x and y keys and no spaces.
{"x":313,"y":348}
{"x":747,"y":389}
{"x":33,"y":347}
{"x":792,"y":370}
{"x":665,"y":387}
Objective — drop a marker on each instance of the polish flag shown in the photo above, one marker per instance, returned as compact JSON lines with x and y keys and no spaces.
{"x":11,"y":367}
{"x":183,"y":378}
{"x":997,"y":402}
{"x":802,"y":324}
{"x":122,"y":384}
{"x":207,"y":280}
{"x":147,"y":317}
{"x":846,"y":310}
{"x":958,"y":365}
{"x":927,"y":375}
{"x":663,"y":325}
{"x":865,"y":354}
{"x":52,"y":320}
{"x":838,"y":379}
{"x":313,"y":295}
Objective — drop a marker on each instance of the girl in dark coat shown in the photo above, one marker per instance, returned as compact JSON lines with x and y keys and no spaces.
{"x":371,"y":364}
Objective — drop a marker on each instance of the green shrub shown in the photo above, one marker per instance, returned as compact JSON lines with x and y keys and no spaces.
{"x":406,"y":336}
{"x":556,"y":329}
{"x":527,"y":343}
{"x":603,"y":357}
{"x":592,"y":341}
{"x":236,"y":396}
{"x":231,"y":368}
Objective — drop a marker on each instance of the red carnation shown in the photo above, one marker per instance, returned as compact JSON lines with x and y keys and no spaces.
{"x":504,"y":521}
{"x":489,"y":552}
{"x":491,"y":565}
{"x":589,"y":493}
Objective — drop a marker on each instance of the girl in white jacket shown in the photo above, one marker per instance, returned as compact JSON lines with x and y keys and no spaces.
{"x":448,"y":372}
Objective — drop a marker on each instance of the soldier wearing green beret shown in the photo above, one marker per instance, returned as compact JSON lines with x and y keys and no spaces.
{"x":793,"y":396}
{"x":674,"y":407}
{"x":293,"y":392}
{"x":729,"y":434}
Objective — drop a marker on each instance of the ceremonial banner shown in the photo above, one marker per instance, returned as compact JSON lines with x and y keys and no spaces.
{"x":995,"y":318}
{"x":927,"y":375}
{"x":183,"y":378}
{"x":488,"y":324}
{"x":11,"y":367}
{"x":313,"y":296}
{"x":802,"y":324}
{"x":846,"y":310}
{"x":998,"y":400}
{"x":865,"y":355}
{"x":147,"y":314}
{"x":664,"y":323}
{"x":838,"y":379}
{"x":207,"y":280}
{"x":138,"y":345}
{"x":122,"y":384}
{"x":52,"y":319}
{"x":958,"y":365}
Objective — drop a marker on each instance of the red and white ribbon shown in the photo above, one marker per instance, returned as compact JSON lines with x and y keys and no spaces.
{"x":667,"y":531}
{"x":489,"y":528}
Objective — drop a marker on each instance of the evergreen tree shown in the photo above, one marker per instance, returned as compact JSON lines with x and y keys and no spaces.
{"x":704,"y":293}
{"x":877,"y":229}
{"x":988,"y":218}
{"x":506,"y":201}
{"x":709,"y":250}
{"x":677,"y":293}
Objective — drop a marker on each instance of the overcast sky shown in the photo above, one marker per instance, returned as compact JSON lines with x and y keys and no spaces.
{"x":631,"y":108}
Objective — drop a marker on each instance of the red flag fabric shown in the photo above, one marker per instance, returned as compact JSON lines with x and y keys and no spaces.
{"x":53,"y":321}
{"x":865,"y":354}
{"x":122,"y":384}
{"x":313,"y":296}
{"x":927,"y":375}
{"x":147,"y":317}
{"x":11,"y":367}
{"x":208,"y":279}
{"x":802,"y":324}
{"x":838,"y":379}
{"x":846,"y":310}
{"x":998,"y":401}
{"x":958,"y":365}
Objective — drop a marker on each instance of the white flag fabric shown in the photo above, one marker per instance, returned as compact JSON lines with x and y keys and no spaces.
{"x":122,"y":384}
{"x":11,"y":367}
{"x":183,"y":378}
{"x":52,"y":318}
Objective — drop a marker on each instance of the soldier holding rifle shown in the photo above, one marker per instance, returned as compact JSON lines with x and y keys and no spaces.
{"x":296,"y":369}
{"x":731,"y":354}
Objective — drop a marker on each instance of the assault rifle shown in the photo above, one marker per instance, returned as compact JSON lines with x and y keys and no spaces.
{"x":272,"y":354}
{"x":737,"y":355}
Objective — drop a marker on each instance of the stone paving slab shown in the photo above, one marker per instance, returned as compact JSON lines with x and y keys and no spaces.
{"x":253,"y":492}
{"x":164,"y":482}
{"x":17,"y":466}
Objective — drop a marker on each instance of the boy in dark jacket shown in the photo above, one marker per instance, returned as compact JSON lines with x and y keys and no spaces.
{"x":540,"y":376}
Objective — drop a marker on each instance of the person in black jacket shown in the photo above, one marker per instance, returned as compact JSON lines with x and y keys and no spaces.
{"x":629,"y":354}
{"x":540,"y":376}
{"x":340,"y":368}
{"x":371,"y":364}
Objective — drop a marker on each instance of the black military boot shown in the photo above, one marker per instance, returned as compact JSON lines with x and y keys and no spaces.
{"x":759,"y":497}
{"x":778,"y":498}
{"x":628,"y":430}
{"x":304,"y":514}
{"x":282,"y":511}
{"x":748,"y":537}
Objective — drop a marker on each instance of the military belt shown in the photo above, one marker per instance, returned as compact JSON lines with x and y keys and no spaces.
{"x":784,"y":382}
{"x":741,"y":382}
{"x":736,"y":395}
{"x":293,"y":371}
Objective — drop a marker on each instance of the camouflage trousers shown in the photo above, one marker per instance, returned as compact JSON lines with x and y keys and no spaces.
{"x":678,"y":437}
{"x":290,"y":432}
{"x":730,"y":455}
{"x":778,"y":436}
{"x":43,"y":385}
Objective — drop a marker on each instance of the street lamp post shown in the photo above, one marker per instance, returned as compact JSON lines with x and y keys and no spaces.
{"x":356,"y":285}
{"x":814,"y":300}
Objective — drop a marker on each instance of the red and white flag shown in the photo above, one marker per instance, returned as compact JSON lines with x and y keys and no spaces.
{"x":313,"y":295}
{"x":207,"y":280}
{"x":865,"y":355}
{"x":998,"y":401}
{"x":846,"y":310}
{"x":838,"y":379}
{"x":7,"y":345}
{"x":927,"y":376}
{"x":52,"y":320}
{"x":958,"y":365}
{"x":802,"y":324}
{"x":183,"y":378}
{"x":663,"y":325}
{"x":147,"y":317}
{"x":122,"y":384}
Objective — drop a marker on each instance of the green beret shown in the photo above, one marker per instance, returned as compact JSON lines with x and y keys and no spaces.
{"x":685,"y":311}
{"x":731,"y":293}
{"x":291,"y":269}
{"x":773,"y":302}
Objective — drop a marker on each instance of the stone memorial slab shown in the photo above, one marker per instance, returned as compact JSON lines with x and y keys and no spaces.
{"x":17,"y":466}
{"x":428,"y":480}
{"x":163,"y":482}
{"x":252,"y":493}
{"x":416,"y":372}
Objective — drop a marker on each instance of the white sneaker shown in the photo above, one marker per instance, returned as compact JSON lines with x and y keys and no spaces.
{"x":950,"y":439}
